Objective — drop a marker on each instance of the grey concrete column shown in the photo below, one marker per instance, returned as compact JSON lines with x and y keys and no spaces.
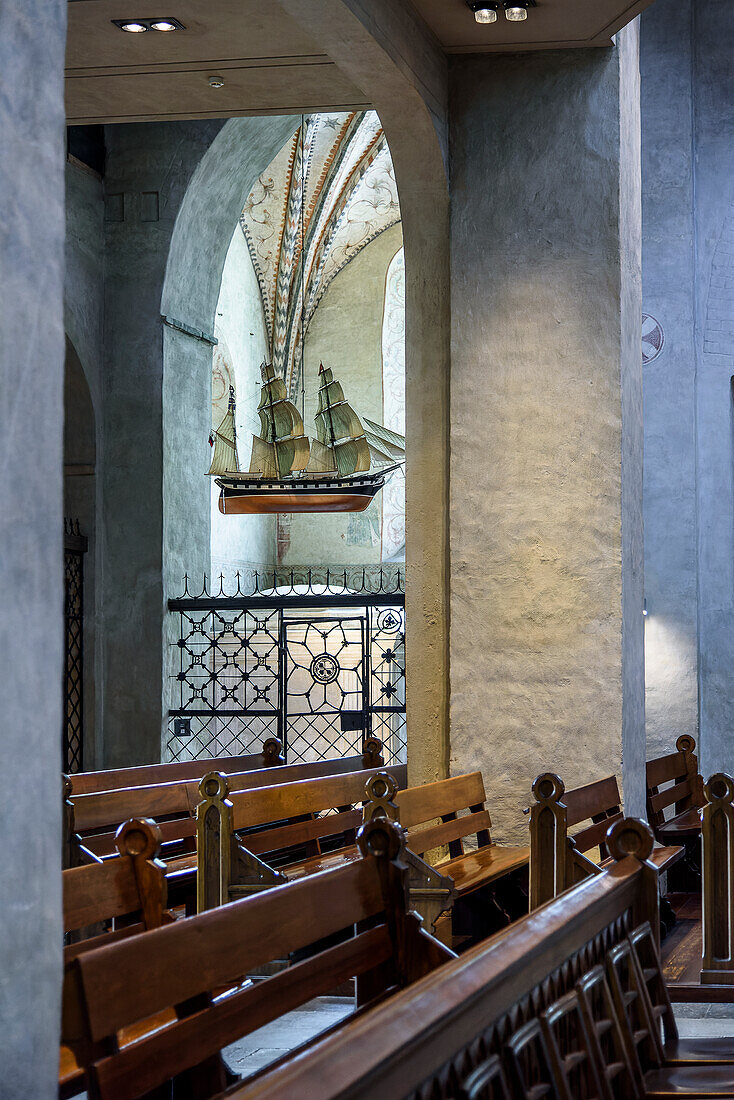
{"x":32,"y":36}
{"x":546,"y":423}
{"x":712,"y":29}
{"x":668,"y":278}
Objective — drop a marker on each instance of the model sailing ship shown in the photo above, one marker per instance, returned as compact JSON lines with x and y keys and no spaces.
{"x":291,"y":473}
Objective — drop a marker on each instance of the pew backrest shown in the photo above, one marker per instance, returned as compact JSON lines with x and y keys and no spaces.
{"x":674,"y":784}
{"x":559,"y":858}
{"x":97,"y":815}
{"x":460,"y":804}
{"x":189,"y":963}
{"x":145,"y":775}
{"x":491,"y":1019}
{"x":133,"y":885}
{"x":244,"y":835}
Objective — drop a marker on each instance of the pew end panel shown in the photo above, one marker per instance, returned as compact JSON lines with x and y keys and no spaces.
{"x":559,"y":860}
{"x":488,"y":887}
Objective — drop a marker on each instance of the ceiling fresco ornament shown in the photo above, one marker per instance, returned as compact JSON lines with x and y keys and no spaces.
{"x":329,"y":192}
{"x":653,"y":338}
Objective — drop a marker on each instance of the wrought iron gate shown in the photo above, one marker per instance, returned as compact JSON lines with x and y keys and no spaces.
{"x":320,"y":666}
{"x":72,"y":734}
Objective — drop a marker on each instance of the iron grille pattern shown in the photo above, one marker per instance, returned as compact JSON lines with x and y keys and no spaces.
{"x":316,"y":659}
{"x":72,"y":737}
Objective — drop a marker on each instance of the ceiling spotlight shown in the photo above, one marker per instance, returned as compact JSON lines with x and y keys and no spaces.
{"x":516,"y":10}
{"x":158,"y":23}
{"x":216,"y":82}
{"x":484,"y":12}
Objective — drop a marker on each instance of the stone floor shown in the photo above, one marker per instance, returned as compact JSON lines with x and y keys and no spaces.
{"x":269,"y":1043}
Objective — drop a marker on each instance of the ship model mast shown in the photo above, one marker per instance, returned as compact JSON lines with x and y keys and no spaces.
{"x":290,"y":473}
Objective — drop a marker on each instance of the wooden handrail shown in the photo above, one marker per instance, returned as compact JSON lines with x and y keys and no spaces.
{"x":417,"y":1032}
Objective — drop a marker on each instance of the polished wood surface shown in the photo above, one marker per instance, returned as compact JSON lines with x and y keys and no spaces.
{"x":568,"y":1002}
{"x":148,"y":774}
{"x":674,"y":792}
{"x":189,"y":963}
{"x":255,"y":839}
{"x":559,"y":859}
{"x":91,"y":819}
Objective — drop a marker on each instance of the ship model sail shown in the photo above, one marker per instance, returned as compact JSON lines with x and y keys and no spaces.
{"x":290,"y":473}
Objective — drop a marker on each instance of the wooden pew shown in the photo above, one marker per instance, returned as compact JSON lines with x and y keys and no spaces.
{"x":131,"y":887}
{"x":145,"y":775}
{"x":568,"y":1002}
{"x":488,"y":879}
{"x":187,"y":965}
{"x":559,"y":860}
{"x":674,"y":801}
{"x":91,"y":820}
{"x":251,"y":840}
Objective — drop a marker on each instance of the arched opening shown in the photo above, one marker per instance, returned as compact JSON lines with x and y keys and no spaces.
{"x":303,"y":280}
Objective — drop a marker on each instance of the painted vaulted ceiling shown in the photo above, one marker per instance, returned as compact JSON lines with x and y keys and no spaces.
{"x":328,"y":193}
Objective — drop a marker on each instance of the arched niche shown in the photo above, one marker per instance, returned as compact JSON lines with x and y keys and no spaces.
{"x":201,"y":237}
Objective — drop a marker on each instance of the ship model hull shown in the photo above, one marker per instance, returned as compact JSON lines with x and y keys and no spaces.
{"x":290,"y":473}
{"x":255,"y":497}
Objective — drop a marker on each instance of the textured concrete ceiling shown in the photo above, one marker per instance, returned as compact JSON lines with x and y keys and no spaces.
{"x":552,"y":24}
{"x":267,"y":63}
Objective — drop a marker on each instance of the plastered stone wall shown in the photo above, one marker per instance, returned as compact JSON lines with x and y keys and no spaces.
{"x":31,"y":427}
{"x":173,"y":193}
{"x":545,"y":530}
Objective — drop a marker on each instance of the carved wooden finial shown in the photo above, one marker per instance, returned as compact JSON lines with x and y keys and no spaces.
{"x":214,"y":787}
{"x":381,"y":838}
{"x":548,"y":787}
{"x":719,"y":789}
{"x":630,"y":837}
{"x":139,"y":837}
{"x":686,"y":743}
{"x":380,"y":791}
{"x":273,"y":752}
{"x":372,"y":752}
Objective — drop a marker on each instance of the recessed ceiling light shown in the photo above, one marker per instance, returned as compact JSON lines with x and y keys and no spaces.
{"x":485,"y":11}
{"x":516,"y":10}
{"x":157,"y":23}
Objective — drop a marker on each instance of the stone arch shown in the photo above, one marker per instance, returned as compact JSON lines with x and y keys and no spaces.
{"x":382,"y":48}
{"x":201,"y":236}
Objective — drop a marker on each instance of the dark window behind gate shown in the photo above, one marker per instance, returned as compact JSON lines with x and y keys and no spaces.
{"x":320,"y":666}
{"x":72,"y":734}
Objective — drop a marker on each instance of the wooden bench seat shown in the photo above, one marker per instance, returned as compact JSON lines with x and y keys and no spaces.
{"x":145,"y":775}
{"x":560,"y":858}
{"x":92,"y":819}
{"x":568,"y":1002}
{"x":199,"y":967}
{"x":250,"y":840}
{"x":674,"y":799}
{"x":132,"y":887}
{"x":460,"y":805}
